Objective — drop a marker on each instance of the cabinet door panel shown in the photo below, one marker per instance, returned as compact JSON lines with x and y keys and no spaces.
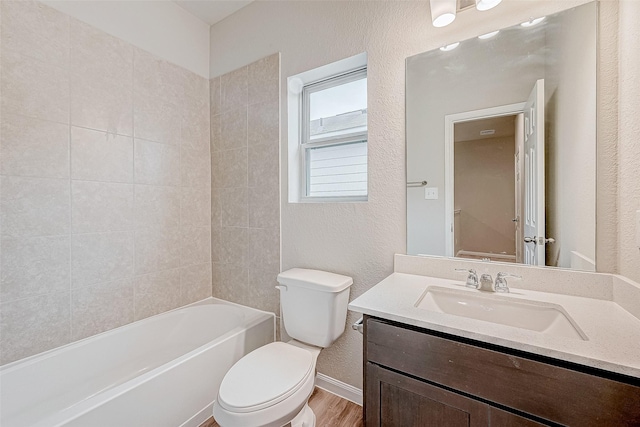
{"x":500,"y":418}
{"x":395,"y":400}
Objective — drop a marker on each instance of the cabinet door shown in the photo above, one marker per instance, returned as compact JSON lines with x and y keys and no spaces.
{"x":500,"y":418}
{"x":395,"y":400}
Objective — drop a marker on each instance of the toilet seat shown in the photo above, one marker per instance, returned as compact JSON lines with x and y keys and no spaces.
{"x":267,"y":387}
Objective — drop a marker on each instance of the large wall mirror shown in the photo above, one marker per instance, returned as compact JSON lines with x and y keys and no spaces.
{"x":501,"y":145}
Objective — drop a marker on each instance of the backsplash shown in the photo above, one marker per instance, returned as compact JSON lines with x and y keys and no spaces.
{"x":245,"y":153}
{"x":105,"y":182}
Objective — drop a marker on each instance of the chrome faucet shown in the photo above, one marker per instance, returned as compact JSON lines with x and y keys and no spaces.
{"x":501,"y":282}
{"x":472,"y":278}
{"x":486,"y":283}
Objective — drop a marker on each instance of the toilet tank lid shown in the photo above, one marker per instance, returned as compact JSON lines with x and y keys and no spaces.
{"x":315,"y":279}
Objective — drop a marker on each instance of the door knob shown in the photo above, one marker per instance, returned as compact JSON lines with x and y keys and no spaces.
{"x":539,"y":240}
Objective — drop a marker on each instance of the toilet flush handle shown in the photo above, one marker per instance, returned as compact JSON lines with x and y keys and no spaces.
{"x":281,"y":287}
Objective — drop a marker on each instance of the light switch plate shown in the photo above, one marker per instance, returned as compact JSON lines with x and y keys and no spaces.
{"x":431,"y":193}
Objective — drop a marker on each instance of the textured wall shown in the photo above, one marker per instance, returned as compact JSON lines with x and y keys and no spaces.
{"x":245,"y":222}
{"x":104,"y":186}
{"x":358,"y":239}
{"x":159,"y":27}
{"x":628,"y":134}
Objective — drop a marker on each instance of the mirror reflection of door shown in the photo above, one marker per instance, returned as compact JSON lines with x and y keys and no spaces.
{"x":485,"y":189}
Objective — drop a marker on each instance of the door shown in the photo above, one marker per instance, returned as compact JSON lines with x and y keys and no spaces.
{"x":519,"y":187}
{"x":534,"y":220}
{"x":395,"y":400}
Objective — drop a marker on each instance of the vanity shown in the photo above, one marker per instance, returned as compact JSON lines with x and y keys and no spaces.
{"x":543,"y":359}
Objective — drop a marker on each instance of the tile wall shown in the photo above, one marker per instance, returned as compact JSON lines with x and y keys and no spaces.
{"x":245,"y":153}
{"x":105,"y":200}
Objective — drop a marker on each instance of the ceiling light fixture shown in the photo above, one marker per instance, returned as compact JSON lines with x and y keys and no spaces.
{"x":531,"y":22}
{"x":449,"y":47}
{"x":443,"y":12}
{"x":483,"y":5}
{"x":489,"y":35}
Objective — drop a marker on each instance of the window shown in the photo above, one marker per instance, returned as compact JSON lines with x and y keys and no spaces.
{"x":331,"y":142}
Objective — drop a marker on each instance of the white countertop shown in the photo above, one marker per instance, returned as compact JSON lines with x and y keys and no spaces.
{"x":613,"y":333}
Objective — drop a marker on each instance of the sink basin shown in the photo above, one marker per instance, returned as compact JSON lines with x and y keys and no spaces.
{"x":546,"y":318}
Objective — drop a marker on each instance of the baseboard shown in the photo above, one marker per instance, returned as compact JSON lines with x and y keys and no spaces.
{"x":339,"y":388}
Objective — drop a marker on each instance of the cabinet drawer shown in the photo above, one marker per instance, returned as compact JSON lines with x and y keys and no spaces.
{"x":550,"y":392}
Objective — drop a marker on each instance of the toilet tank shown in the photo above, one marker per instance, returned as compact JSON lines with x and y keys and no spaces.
{"x":314,"y":305}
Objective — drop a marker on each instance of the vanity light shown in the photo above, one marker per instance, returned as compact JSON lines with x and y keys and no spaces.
{"x":443,"y":12}
{"x":483,"y":5}
{"x":449,"y":47}
{"x":488,"y":35}
{"x":531,"y":22}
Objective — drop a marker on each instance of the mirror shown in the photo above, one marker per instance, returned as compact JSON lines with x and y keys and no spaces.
{"x":501,"y":145}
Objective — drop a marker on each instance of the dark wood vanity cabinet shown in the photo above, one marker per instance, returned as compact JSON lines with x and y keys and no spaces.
{"x":417,"y":377}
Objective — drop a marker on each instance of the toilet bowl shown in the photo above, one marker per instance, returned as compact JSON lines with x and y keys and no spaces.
{"x":270,"y":386}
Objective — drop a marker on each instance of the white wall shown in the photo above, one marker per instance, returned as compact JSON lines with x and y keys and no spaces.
{"x":160,"y":27}
{"x":358,"y":239}
{"x":570,"y":88}
{"x":629,"y":131}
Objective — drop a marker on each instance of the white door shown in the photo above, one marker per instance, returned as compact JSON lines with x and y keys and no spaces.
{"x":534,"y":220}
{"x":519,"y":187}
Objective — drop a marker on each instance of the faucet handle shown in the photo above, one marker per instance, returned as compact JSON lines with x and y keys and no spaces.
{"x":472,"y":278}
{"x":501,"y":281}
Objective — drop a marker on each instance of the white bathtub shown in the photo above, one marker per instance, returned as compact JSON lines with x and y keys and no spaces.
{"x":161,"y":371}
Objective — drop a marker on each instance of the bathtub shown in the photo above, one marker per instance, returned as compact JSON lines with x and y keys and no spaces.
{"x":161,"y":371}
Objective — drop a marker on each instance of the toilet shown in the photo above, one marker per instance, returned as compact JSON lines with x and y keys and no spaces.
{"x":270,"y":386}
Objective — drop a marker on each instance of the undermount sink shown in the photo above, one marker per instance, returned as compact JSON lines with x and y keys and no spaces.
{"x":546,"y":318}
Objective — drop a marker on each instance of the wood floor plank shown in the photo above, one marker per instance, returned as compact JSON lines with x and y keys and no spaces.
{"x":330,"y":410}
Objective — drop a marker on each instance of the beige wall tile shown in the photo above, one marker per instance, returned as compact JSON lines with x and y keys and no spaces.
{"x":36,"y":30}
{"x":232,"y":168}
{"x":195,"y":282}
{"x":99,"y":156}
{"x":32,"y":147}
{"x":233,"y":129}
{"x":233,"y":89}
{"x":216,"y":244}
{"x":156,"y":163}
{"x":96,"y":309}
{"x":264,"y":79}
{"x":34,"y":88}
{"x":195,"y":168}
{"x":263,"y":124}
{"x":264,"y":166}
{"x":234,"y":207}
{"x":195,"y":206}
{"x":99,"y":206}
{"x":157,"y":292}
{"x":264,"y":246}
{"x":157,"y":99}
{"x":34,"y":206}
{"x":216,"y":210}
{"x":262,"y":290}
{"x":33,"y":325}
{"x":196,"y":113}
{"x":264,"y":207}
{"x":215,"y":100}
{"x":33,"y":266}
{"x":195,"y":245}
{"x":101,"y":257}
{"x":235,"y":245}
{"x":102,"y":80}
{"x":157,"y":207}
{"x":216,"y":136}
{"x":157,"y":250}
{"x":233,"y":283}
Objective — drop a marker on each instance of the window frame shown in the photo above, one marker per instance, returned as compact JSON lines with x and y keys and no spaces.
{"x":306,"y":144}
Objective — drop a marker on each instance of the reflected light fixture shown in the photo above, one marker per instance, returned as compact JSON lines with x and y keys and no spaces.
{"x":531,"y":22}
{"x":443,"y":12}
{"x":449,"y":47}
{"x":488,"y":35}
{"x":483,"y":5}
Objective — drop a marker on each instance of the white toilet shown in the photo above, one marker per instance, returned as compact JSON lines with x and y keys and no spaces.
{"x":270,"y":386}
